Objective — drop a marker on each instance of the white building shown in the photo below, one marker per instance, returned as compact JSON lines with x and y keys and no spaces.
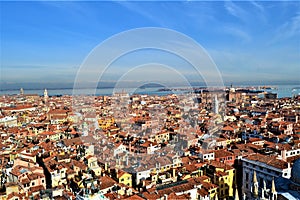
{"x":287,"y":153}
{"x":9,"y":121}
{"x":206,"y":155}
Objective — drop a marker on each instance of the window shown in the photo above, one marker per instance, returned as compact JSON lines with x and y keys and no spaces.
{"x":33,"y":183}
{"x":122,"y":179}
{"x":43,"y":180}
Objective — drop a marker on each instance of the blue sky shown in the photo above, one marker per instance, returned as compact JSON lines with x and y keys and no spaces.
{"x":249,"y":41}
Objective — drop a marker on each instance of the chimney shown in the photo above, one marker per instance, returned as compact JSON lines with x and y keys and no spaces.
{"x":117,"y":172}
{"x":174,"y":172}
{"x":129,"y":147}
{"x":283,"y":154}
{"x":165,"y":197}
{"x":105,"y":166}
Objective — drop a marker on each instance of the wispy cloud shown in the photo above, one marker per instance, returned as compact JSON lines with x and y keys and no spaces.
{"x":238,"y":33}
{"x":259,"y":12}
{"x":246,"y":11}
{"x":289,"y":29}
{"x":234,"y":10}
{"x":258,"y":6}
{"x":132,"y":6}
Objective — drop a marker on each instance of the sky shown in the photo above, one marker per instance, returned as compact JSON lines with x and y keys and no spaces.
{"x":47,"y":41}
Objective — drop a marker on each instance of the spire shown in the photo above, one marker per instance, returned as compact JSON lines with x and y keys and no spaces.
{"x":255,"y":185}
{"x":216,"y":197}
{"x":264,"y":188}
{"x":236,"y":196}
{"x":254,"y":177}
{"x":273,"y":190}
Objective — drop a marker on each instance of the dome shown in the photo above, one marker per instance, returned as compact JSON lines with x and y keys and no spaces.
{"x":295,"y":176}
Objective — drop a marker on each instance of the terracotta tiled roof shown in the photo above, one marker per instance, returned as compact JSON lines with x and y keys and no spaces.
{"x":269,"y":160}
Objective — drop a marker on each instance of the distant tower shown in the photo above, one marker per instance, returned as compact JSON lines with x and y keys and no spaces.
{"x":45,"y":95}
{"x":273,"y":191}
{"x":255,"y":186}
{"x":216,"y":105}
{"x":21,"y":91}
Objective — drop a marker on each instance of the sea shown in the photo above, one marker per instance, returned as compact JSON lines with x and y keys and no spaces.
{"x":280,"y":90}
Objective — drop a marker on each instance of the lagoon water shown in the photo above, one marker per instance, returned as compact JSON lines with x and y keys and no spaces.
{"x":281,"y":90}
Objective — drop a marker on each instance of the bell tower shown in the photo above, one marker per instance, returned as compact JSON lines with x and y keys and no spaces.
{"x":46,"y":95}
{"x":21,"y":91}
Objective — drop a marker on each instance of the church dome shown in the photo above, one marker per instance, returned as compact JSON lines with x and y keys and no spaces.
{"x":295,"y":176}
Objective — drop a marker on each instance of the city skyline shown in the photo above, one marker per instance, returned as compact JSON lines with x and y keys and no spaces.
{"x":248,"y":41}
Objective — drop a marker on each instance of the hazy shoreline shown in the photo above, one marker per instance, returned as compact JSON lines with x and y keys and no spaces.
{"x":281,"y":90}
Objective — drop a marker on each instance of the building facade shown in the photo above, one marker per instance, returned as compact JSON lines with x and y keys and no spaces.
{"x":265,"y":169}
